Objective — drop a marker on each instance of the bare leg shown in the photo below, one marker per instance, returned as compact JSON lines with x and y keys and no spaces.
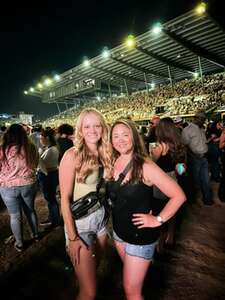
{"x":86,"y":274}
{"x":86,"y":270}
{"x":134,"y":272}
{"x":120,"y":247}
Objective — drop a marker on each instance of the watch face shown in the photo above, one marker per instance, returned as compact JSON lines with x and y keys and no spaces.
{"x":159,"y":219}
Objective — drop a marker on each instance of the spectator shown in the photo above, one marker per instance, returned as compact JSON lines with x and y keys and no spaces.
{"x":35,"y":136}
{"x":18,"y":162}
{"x":135,"y":222}
{"x":64,"y":141}
{"x":194,"y":137}
{"x":48,"y":177}
{"x":214,"y":153}
{"x":86,"y":237}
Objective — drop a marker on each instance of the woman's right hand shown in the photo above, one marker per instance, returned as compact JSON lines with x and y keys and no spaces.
{"x":74,"y":249}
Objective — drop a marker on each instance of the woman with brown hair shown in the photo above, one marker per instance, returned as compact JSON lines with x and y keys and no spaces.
{"x":18,"y":162}
{"x":136,"y":218}
{"x":79,"y":170}
{"x":170,"y":155}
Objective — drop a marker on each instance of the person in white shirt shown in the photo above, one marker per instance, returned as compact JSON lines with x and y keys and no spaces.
{"x":48,"y":176}
{"x":194,"y":137}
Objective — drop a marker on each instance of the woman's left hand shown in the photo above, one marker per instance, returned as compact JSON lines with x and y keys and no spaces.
{"x":145,"y":220}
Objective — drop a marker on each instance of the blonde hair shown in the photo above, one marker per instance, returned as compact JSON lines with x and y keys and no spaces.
{"x":87,"y":161}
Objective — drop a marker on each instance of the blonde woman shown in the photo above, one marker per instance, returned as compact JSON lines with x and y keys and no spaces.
{"x":78,"y":174}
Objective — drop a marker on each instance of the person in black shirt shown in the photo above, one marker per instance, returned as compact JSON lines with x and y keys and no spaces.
{"x":64,"y":141}
{"x":136,"y":218}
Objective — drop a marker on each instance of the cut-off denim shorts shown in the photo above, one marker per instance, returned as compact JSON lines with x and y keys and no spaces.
{"x":142,"y":251}
{"x":92,"y":226}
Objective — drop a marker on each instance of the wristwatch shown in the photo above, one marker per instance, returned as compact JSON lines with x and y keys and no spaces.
{"x":159,"y":219}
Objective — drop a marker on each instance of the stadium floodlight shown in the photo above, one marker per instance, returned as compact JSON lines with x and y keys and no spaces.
{"x":86,"y":62}
{"x":152,"y":85}
{"x":105,"y":53}
{"x":201,"y":9}
{"x":130,"y":41}
{"x":56,"y":77}
{"x":40,"y":86}
{"x":31,"y":89}
{"x":157,"y":28}
{"x":48,"y":82}
{"x":195,"y":74}
{"x":26,"y":92}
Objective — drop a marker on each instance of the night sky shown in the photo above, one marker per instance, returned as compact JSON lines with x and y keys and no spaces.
{"x":49,"y":38}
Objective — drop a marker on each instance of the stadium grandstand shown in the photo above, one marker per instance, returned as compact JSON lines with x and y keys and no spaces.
{"x":176,"y":68}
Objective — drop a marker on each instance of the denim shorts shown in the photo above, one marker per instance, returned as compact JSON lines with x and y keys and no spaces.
{"x":142,"y":251}
{"x":92,"y":226}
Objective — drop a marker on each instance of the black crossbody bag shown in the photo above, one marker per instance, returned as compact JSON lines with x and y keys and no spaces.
{"x":89,"y":203}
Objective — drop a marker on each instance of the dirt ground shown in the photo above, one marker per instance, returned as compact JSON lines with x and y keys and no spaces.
{"x":194,"y":269}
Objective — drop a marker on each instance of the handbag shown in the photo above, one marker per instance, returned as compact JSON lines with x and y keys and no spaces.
{"x":90,"y":202}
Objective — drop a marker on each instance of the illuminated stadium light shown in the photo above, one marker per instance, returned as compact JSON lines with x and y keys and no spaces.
{"x":105,"y":53}
{"x":130,"y":41}
{"x":57,"y":77}
{"x":40,"y":85}
{"x":201,"y":8}
{"x":152,"y":85}
{"x":157,"y":29}
{"x":48,"y":82}
{"x":26,"y":92}
{"x":195,"y":74}
{"x":31,"y":89}
{"x":86,"y":63}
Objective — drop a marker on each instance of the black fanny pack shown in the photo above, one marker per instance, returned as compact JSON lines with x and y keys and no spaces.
{"x":89,"y":203}
{"x":85,"y":205}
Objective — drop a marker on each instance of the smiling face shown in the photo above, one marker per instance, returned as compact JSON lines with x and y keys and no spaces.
{"x":122,"y":140}
{"x":91,"y":128}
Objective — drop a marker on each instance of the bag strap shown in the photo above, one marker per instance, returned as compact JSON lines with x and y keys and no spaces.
{"x":124,"y":173}
{"x":100,"y":179}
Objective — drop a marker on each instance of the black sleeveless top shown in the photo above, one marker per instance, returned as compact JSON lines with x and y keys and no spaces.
{"x":128,"y":199}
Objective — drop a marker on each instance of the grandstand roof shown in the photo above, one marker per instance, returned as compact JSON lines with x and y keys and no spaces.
{"x":187,"y":44}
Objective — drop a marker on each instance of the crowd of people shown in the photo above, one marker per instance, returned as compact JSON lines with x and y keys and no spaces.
{"x":186,"y":97}
{"x":148,"y":174}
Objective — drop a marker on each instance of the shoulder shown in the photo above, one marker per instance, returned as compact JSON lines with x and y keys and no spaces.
{"x":150,"y":170}
{"x":70,"y":157}
{"x":148,"y":165}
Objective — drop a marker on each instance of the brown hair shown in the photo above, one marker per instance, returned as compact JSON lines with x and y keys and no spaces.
{"x":168,"y":133}
{"x":139,"y":150}
{"x":17,"y":136}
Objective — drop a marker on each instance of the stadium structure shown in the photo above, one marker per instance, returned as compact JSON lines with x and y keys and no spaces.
{"x":189,"y":47}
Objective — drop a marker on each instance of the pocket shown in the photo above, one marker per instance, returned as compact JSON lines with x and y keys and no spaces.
{"x":83,"y":224}
{"x":8,"y":193}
